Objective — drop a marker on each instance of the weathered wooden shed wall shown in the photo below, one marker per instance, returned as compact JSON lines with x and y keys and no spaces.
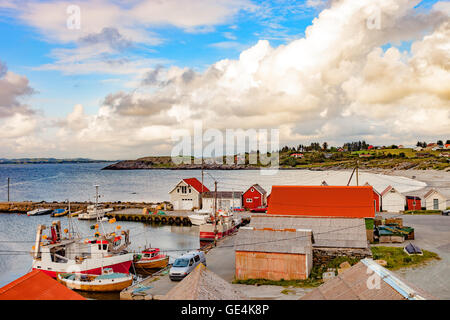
{"x":272,"y":266}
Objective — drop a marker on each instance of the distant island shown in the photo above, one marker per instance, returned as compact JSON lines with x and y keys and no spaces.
{"x":372,"y":158}
{"x":49,"y":160}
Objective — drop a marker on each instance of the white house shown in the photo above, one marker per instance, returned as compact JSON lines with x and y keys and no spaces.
{"x":187,"y":194}
{"x":225,"y":200}
{"x":434,"y":200}
{"x":392,"y":200}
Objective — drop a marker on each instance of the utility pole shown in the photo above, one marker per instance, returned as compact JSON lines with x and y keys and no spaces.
{"x":357,"y":173}
{"x":8,"y":189}
{"x":215,"y":212}
{"x":202,"y":172}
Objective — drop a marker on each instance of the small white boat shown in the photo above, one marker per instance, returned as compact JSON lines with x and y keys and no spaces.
{"x":199,"y":217}
{"x":38,"y":212}
{"x":108,"y":281}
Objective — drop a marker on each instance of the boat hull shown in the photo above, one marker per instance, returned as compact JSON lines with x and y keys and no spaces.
{"x":197,"y":220}
{"x":110,"y":285}
{"x":207,"y":231}
{"x":121,"y":267}
{"x":152,"y":264}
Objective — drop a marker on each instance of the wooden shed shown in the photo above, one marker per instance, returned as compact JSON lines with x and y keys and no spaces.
{"x":392,"y":200}
{"x":435,"y":200}
{"x":254,"y":197}
{"x":273,"y":254}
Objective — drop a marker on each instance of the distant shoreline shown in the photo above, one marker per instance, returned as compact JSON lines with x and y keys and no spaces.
{"x":20,"y":161}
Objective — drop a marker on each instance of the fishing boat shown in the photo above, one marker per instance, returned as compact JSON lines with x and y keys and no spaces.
{"x":39,"y":212}
{"x":59,"y":212}
{"x":226,"y":224}
{"x":108,"y":281}
{"x":151,"y":258}
{"x":54,"y":254}
{"x":93,"y":211}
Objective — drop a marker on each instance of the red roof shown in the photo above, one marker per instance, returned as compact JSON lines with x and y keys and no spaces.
{"x":197,"y":185}
{"x":322,"y":201}
{"x":36,"y":285}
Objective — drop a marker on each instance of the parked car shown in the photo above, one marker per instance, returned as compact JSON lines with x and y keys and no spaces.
{"x":185,"y":264}
{"x":445,"y":212}
{"x":259,"y":209}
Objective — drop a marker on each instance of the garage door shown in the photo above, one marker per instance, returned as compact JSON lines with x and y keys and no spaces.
{"x":187,"y":204}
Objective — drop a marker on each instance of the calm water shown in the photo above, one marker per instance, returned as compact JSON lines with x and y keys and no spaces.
{"x":57,"y":182}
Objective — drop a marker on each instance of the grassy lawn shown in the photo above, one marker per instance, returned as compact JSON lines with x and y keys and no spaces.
{"x":423,"y":212}
{"x":369,"y":223}
{"x":397,"y":258}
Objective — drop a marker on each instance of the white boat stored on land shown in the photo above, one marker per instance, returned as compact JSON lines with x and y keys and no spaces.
{"x":108,"y":281}
{"x":38,"y":212}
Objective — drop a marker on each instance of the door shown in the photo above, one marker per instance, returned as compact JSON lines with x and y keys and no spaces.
{"x":187,"y":204}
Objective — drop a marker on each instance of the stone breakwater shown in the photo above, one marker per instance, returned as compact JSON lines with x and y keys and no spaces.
{"x":25,"y":206}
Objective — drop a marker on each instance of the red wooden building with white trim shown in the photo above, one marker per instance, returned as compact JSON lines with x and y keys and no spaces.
{"x":254,"y":197}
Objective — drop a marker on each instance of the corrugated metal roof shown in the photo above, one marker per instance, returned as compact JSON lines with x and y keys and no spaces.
{"x":327,"y":232}
{"x":360,"y":282}
{"x":322,"y":201}
{"x":259,"y":240}
{"x":223,"y":194}
{"x":36,"y":285}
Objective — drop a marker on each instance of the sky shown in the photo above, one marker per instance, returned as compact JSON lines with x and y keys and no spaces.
{"x":116,"y":79}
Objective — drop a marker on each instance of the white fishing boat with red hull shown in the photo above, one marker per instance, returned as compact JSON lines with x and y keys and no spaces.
{"x":54,"y":254}
{"x":226,"y":224}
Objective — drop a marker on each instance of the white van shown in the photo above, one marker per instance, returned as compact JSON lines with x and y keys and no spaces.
{"x":185,"y":264}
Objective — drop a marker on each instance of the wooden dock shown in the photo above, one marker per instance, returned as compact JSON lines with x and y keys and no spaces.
{"x":175,"y":217}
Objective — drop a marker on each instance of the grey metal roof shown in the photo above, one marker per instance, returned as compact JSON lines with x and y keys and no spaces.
{"x":352,"y":284}
{"x":223,"y":194}
{"x":327,"y":232}
{"x":299,"y":242}
{"x":259,"y":188}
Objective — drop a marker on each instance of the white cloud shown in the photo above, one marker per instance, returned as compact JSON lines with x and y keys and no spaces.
{"x":334,"y":84}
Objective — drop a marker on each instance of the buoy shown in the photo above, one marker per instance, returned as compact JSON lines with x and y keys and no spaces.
{"x":118,"y":227}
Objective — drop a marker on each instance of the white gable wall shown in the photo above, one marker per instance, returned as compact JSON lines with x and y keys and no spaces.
{"x":184,"y":197}
{"x":435,"y":197}
{"x":393,"y":202}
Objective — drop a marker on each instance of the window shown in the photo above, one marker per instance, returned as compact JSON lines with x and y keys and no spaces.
{"x":196,"y":258}
{"x":249,"y":200}
{"x":183,"y":189}
{"x":191,"y":262}
{"x":436,"y":204}
{"x":252,"y":190}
